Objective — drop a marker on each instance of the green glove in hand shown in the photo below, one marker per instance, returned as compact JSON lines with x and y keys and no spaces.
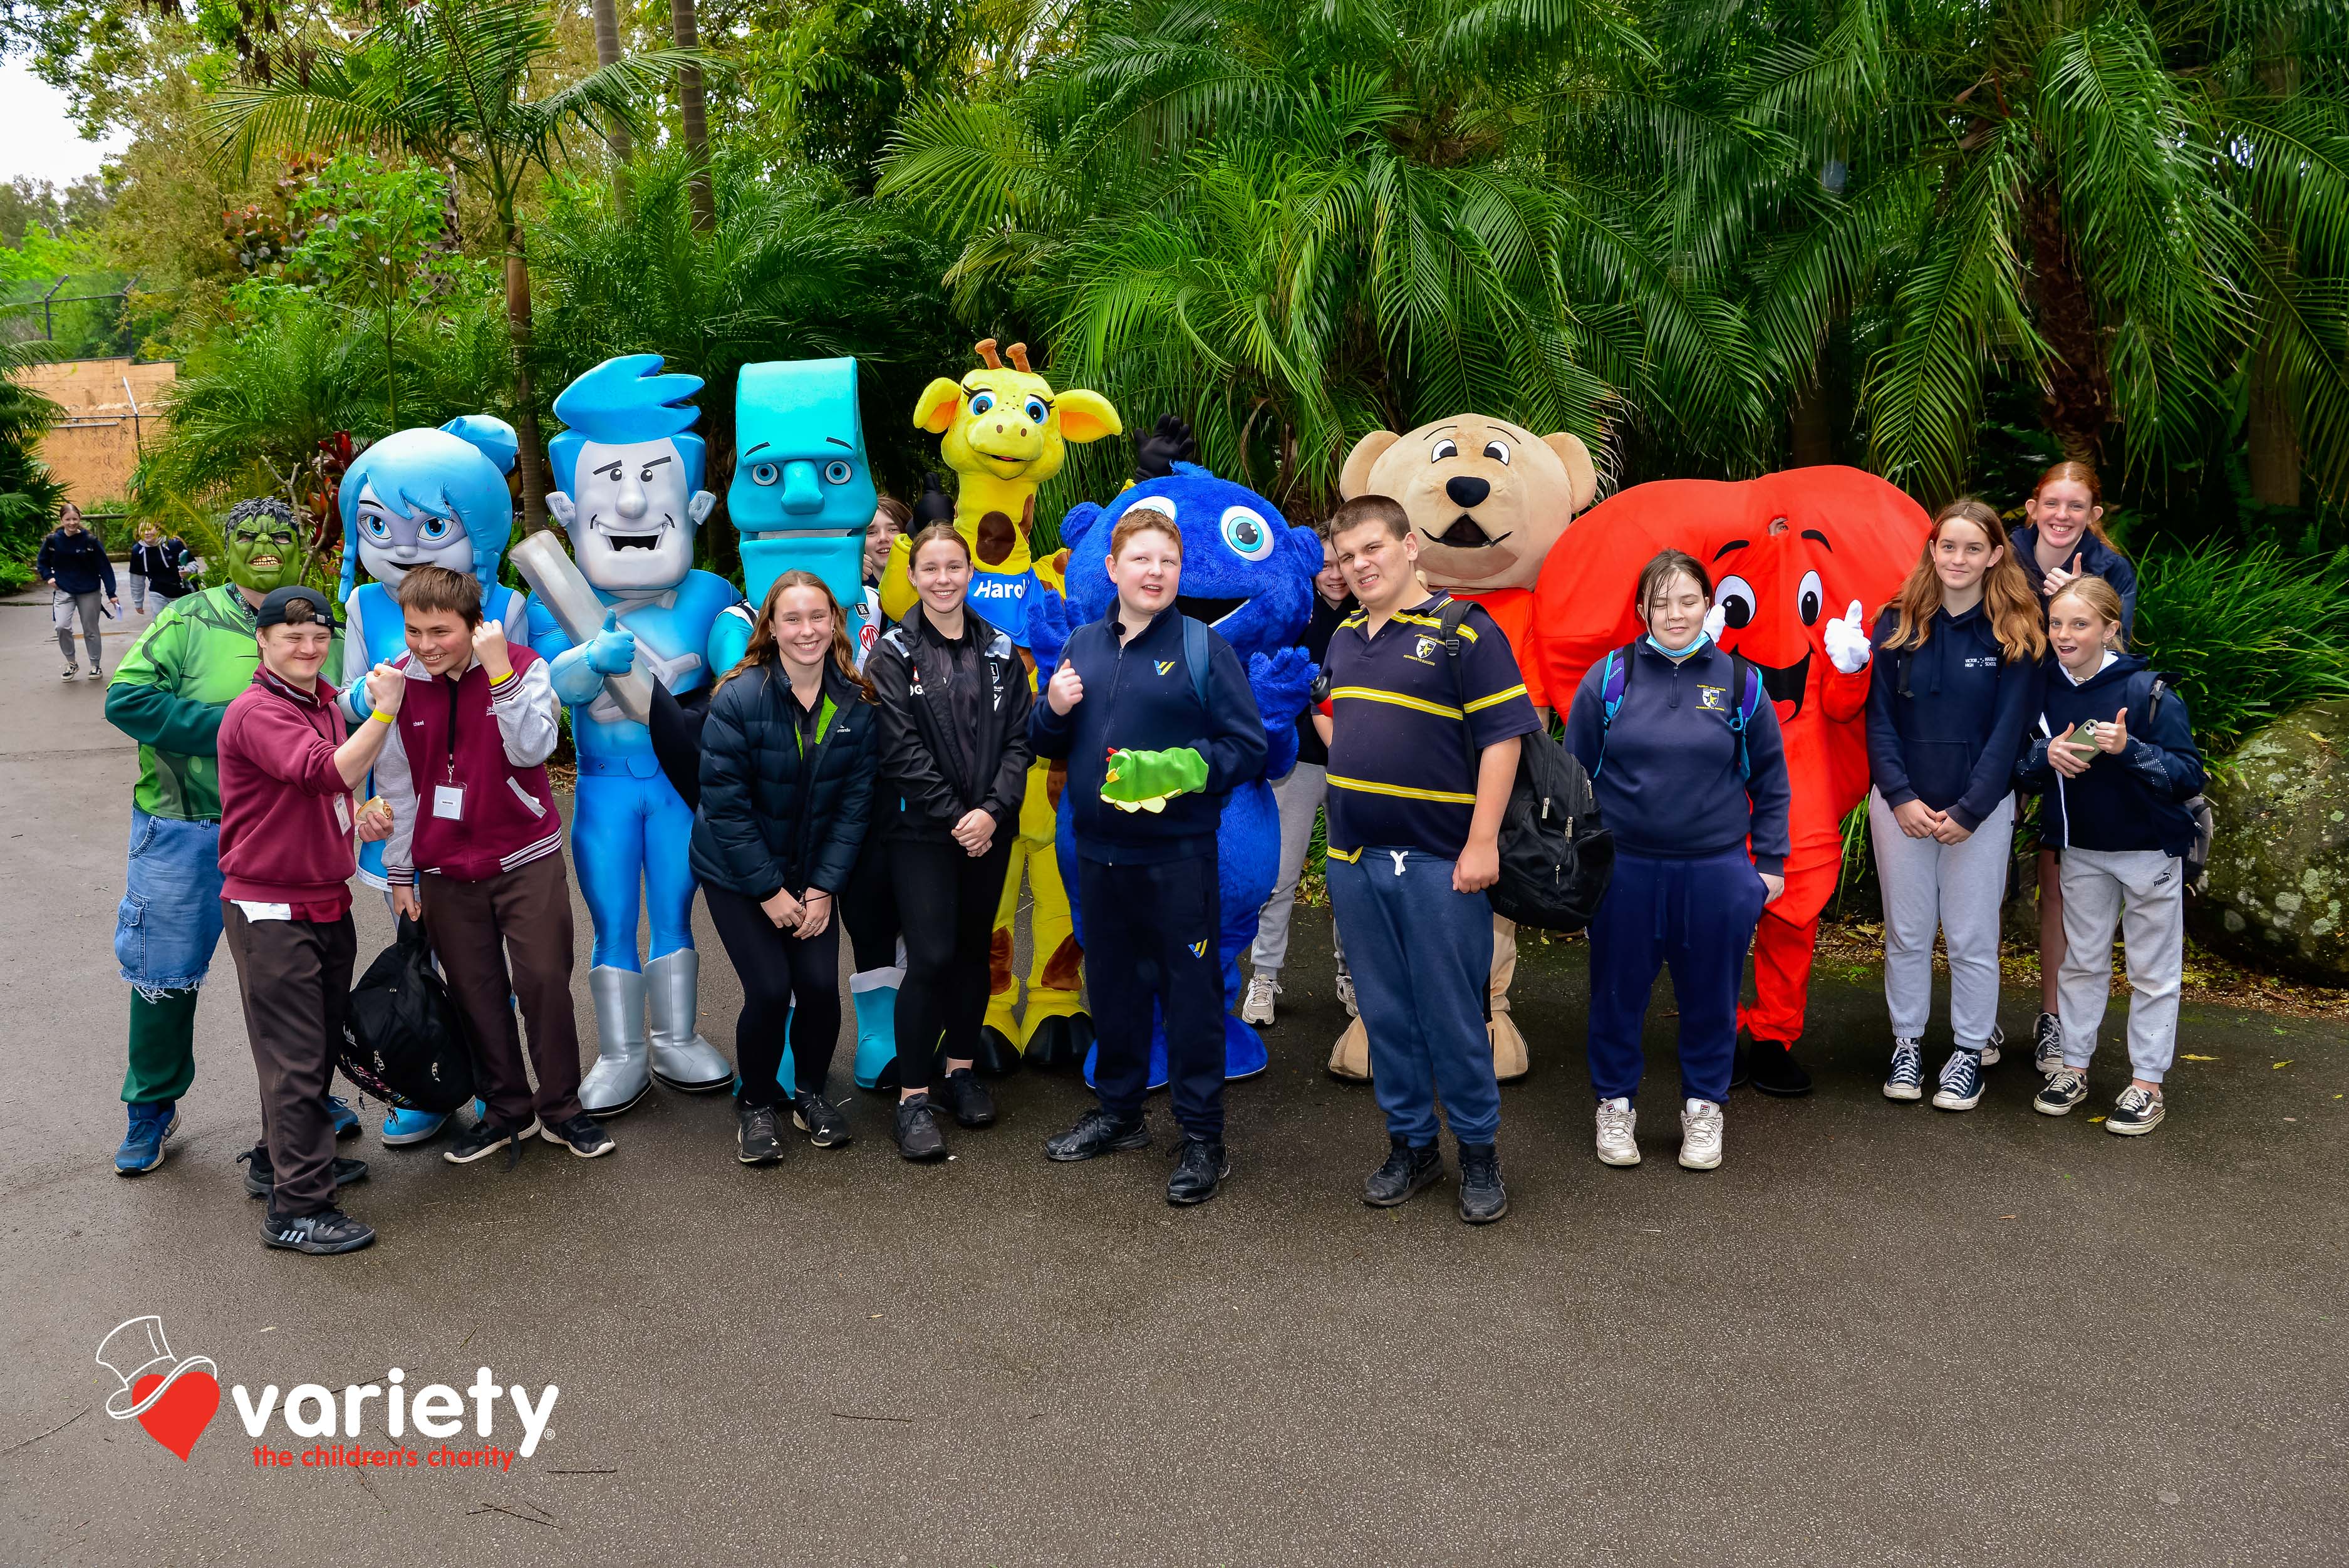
{"x":1146,"y":780}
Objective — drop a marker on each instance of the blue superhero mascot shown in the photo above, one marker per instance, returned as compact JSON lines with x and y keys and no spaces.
{"x":629,"y":472}
{"x":420,"y":498}
{"x":1249,"y":575}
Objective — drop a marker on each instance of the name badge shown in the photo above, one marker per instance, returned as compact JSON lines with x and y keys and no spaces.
{"x":449,"y":800}
{"x":343,"y":812}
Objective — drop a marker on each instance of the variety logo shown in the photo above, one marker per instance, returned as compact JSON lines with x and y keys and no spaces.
{"x":175,"y":1400}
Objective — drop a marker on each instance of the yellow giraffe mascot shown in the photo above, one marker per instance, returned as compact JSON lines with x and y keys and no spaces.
{"x":1004,"y":432}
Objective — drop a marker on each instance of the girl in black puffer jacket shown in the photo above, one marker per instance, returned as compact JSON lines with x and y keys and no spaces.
{"x":786,"y":766}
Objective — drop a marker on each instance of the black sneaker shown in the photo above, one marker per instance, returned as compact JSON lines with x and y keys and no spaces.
{"x":261,"y":1177}
{"x":2137,"y":1111}
{"x":755,"y":1139}
{"x":916,"y":1130}
{"x":583,"y":1135}
{"x":485,"y":1137}
{"x":966,"y":1097}
{"x":1098,"y":1133}
{"x":1772,"y":1068}
{"x":329,"y":1230}
{"x":2047,"y":1044}
{"x":1198,"y":1172}
{"x":2065,"y":1088}
{"x":821,"y":1120}
{"x":1407,"y":1173}
{"x":1482,"y":1198}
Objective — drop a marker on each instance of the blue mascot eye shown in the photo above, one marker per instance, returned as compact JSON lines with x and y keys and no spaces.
{"x":1036,"y":411}
{"x":1249,"y":535}
{"x":980,"y":403}
{"x":435,"y":529}
{"x":837,"y":472}
{"x":377,"y":529}
{"x":764,"y":473}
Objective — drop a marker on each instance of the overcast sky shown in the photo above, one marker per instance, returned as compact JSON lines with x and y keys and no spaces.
{"x":35,"y":136}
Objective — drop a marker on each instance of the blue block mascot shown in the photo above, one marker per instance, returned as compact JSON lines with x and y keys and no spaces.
{"x":420,"y":498}
{"x":1248,"y":575}
{"x":630,"y":497}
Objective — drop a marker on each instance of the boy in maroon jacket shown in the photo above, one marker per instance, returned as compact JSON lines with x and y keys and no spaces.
{"x":476,"y":853}
{"x":286,"y":854}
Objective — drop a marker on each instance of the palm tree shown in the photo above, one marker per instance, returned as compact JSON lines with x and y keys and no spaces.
{"x":467,"y":83}
{"x":29,"y":496}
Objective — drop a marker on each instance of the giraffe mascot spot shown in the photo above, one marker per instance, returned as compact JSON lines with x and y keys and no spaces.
{"x":1004,"y":431}
{"x":1488,"y":500}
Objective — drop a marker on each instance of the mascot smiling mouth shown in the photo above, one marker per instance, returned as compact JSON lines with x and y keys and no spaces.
{"x":635,"y":541}
{"x":1787,"y":685}
{"x":1466,"y":533}
{"x":1206,"y":609}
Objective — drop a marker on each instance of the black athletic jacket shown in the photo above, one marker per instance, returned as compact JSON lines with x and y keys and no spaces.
{"x":923,"y":790}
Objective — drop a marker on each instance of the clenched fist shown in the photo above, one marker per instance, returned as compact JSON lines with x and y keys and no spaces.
{"x":489,"y":650}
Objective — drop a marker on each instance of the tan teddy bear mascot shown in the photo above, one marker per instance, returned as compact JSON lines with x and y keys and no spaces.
{"x":1487,"y":499}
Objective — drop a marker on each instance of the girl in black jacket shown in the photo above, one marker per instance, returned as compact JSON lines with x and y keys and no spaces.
{"x":954,"y":698}
{"x":787,"y":765}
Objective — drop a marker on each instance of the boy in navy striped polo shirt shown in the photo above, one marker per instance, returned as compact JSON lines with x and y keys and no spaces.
{"x":1422,"y":755}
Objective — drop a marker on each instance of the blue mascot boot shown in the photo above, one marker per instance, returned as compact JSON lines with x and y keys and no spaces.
{"x":346,"y":1120}
{"x":151,"y":1123}
{"x":876,"y":1036}
{"x":401,"y":1128}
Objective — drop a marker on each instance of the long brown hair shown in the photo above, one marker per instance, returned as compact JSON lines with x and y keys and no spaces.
{"x":764,"y":649}
{"x":2013,"y":608}
{"x":2083,"y":475}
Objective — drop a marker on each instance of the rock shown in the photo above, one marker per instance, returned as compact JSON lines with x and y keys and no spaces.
{"x":2280,"y":863}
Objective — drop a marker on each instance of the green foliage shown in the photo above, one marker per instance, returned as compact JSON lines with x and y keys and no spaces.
{"x":829,"y":81}
{"x":2251,"y":633}
{"x":29,"y":496}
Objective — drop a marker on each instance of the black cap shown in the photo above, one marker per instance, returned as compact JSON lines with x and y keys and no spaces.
{"x":272,"y":608}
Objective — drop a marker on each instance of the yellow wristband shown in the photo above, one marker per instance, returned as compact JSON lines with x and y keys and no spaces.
{"x":379,"y":713}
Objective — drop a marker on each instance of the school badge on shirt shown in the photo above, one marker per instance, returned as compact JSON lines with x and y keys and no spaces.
{"x":1712,"y":699}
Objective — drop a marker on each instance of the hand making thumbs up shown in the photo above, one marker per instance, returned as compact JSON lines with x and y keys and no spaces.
{"x":613,"y":651}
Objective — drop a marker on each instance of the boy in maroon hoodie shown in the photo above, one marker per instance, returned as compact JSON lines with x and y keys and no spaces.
{"x":476,"y":853}
{"x":286,"y":854}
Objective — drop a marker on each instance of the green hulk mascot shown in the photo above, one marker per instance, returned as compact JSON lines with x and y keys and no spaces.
{"x":169,"y":694}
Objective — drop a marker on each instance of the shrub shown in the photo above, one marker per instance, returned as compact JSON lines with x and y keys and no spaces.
{"x":2251,"y":634}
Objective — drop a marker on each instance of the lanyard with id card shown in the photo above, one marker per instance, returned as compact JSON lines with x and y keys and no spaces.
{"x":449,"y":797}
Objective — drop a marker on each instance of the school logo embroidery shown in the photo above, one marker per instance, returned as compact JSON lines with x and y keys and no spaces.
{"x":1712,"y":699}
{"x":1164,"y":665}
{"x":175,"y":1400}
{"x":1198,"y":950}
{"x":1424,"y":651}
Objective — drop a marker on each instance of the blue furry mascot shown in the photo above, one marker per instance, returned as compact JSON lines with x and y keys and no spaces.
{"x":420,"y":498}
{"x":1249,"y":576}
{"x":629,"y":473}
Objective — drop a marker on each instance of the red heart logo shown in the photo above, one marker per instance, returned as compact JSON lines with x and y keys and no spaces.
{"x":180,"y":1416}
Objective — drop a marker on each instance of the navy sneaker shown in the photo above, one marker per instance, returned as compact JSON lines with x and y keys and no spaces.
{"x":261,"y":1177}
{"x":485,"y":1137}
{"x":1906,"y":1079}
{"x":151,"y":1122}
{"x":2139,"y":1110}
{"x":327,"y":1232}
{"x":1961,"y":1082}
{"x":346,"y":1120}
{"x":583,"y":1135}
{"x":2067,"y":1087}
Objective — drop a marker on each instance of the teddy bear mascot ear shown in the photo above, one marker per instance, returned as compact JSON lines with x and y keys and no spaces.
{"x":1793,"y":555}
{"x":1489,"y":501}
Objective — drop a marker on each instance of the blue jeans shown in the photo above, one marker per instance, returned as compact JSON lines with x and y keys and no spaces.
{"x":169,"y":923}
{"x":1696,"y":915}
{"x":1421,"y":955}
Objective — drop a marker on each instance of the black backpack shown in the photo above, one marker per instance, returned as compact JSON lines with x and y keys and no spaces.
{"x":403,"y":1036}
{"x":2198,"y":807}
{"x":1556,"y":858}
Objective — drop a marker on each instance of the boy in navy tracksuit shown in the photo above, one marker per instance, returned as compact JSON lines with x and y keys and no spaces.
{"x":2116,"y":770}
{"x":1690,"y":770}
{"x":1122,"y":709}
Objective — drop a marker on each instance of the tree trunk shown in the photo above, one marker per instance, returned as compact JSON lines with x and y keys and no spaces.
{"x":1812,"y":433}
{"x":2272,"y":433}
{"x":2077,"y":397}
{"x":527,"y":460}
{"x":615,"y":135}
{"x":693,"y":113}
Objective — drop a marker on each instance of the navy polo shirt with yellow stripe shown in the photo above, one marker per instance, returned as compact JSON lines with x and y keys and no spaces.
{"x":1399,"y":775}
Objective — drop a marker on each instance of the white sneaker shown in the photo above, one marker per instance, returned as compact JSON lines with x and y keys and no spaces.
{"x":1702,"y":1125}
{"x":1616,"y":1144}
{"x":1346,"y":994}
{"x":1256,"y":1007}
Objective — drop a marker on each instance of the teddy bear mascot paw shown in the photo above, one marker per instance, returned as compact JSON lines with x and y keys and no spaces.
{"x":1350,"y":1058}
{"x":1510,"y":1060}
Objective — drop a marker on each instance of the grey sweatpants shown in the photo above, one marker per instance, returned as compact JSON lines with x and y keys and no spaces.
{"x":1956,"y":888}
{"x":1298,"y":796}
{"x":63,"y":607}
{"x":2143,"y":893}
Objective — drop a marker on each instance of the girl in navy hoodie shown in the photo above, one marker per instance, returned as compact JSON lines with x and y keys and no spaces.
{"x":1957,"y":659}
{"x":2117,"y":759}
{"x":2063,"y":541}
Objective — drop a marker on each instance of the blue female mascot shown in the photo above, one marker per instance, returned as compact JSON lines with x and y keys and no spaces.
{"x":420,"y":498}
{"x":629,"y":471}
{"x":1248,"y":575}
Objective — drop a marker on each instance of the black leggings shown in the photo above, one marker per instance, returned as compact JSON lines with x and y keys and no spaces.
{"x":946,"y":901}
{"x":775,"y":968}
{"x":868,"y":907}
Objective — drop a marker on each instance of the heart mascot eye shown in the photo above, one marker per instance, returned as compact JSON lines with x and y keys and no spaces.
{"x":1809,"y":598}
{"x":1736,"y":598}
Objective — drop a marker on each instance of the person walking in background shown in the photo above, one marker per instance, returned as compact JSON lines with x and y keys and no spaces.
{"x":954,"y":698}
{"x":1298,"y":795}
{"x":476,"y":854}
{"x":787,"y":762}
{"x":1957,"y":683}
{"x":287,"y":768}
{"x":1418,"y":784}
{"x":1126,"y":708}
{"x":2117,"y":761}
{"x":153,"y":570}
{"x":1684,"y":754}
{"x":73,"y":562}
{"x":2065,"y":541}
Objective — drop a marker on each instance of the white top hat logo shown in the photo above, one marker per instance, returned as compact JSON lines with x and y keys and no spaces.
{"x":138,"y":1349}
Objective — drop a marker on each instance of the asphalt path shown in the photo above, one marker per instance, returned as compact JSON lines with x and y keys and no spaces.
{"x":1877,"y":1334}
